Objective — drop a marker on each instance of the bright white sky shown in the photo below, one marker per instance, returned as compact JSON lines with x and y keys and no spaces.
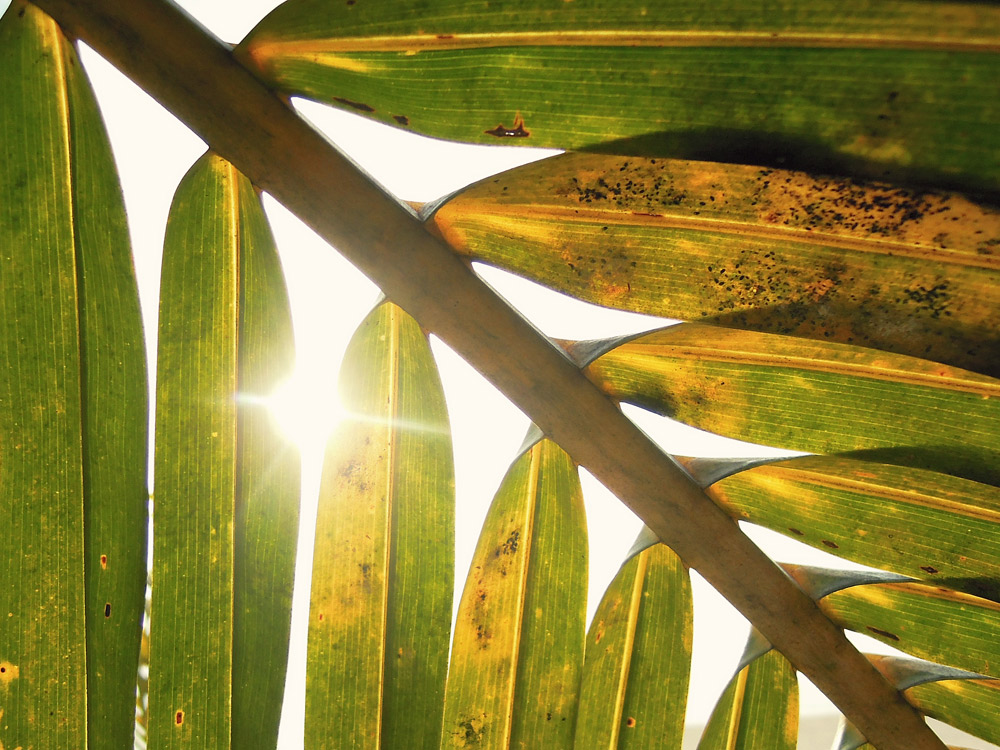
{"x":329,"y":298}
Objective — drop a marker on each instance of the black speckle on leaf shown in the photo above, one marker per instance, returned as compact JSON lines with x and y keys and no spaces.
{"x":356,"y":105}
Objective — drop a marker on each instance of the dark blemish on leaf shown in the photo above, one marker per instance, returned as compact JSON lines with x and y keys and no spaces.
{"x":470,"y":731}
{"x":510,"y":546}
{"x":796,"y":531}
{"x":104,"y":562}
{"x":366,"y":569}
{"x":350,"y":3}
{"x":445,"y":36}
{"x":892,"y":96}
{"x":321,"y":617}
{"x":928,"y":569}
{"x":401,"y":119}
{"x":20,"y":13}
{"x":518,"y":131}
{"x":179,"y":718}
{"x":831,"y":545}
{"x":630,"y":722}
{"x":107,"y":609}
{"x":355,"y":105}
{"x":548,"y":716}
{"x":883,"y":633}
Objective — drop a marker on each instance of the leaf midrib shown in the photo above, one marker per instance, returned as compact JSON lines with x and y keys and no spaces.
{"x":266,"y":49}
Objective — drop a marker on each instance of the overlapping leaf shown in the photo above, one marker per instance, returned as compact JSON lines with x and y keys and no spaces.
{"x":383,"y":571}
{"x":811,"y":396}
{"x":634,"y":688}
{"x":953,"y":696}
{"x":72,"y":407}
{"x":759,"y":707}
{"x":519,"y":638}
{"x":871,"y":264}
{"x":899,"y":87}
{"x":226,"y":485}
{"x":931,"y":622}
{"x":920,"y":523}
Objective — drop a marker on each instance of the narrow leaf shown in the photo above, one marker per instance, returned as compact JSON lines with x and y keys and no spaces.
{"x":383,"y":570}
{"x":899,"y":87}
{"x":929,"y":622}
{"x":72,"y":407}
{"x":267,"y":486}
{"x":920,"y":523}
{"x":635,"y":677}
{"x":812,"y":396}
{"x":519,"y":637}
{"x":222,"y":485}
{"x":746,"y":247}
{"x":759,"y":708}
{"x":950,"y":695}
{"x":969,"y":705}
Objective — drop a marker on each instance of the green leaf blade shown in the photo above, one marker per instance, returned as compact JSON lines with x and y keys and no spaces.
{"x":268,"y":486}
{"x":519,"y":636}
{"x":634,"y":688}
{"x":73,"y":400}
{"x":969,"y":705}
{"x":383,"y":570}
{"x":191,"y":615}
{"x":850,"y":87}
{"x":918,"y":619}
{"x":41,"y":485}
{"x":746,"y":247}
{"x":753,"y":386}
{"x":923,"y":524}
{"x":759,"y":708}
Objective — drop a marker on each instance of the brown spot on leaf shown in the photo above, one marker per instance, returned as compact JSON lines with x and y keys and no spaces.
{"x":517,"y":131}
{"x":928,"y":569}
{"x":401,"y":119}
{"x":883,"y":633}
{"x":831,"y":545}
{"x":107,"y":609}
{"x":179,"y":718}
{"x":356,"y":105}
{"x":8,"y":673}
{"x":796,"y":531}
{"x":630,"y":721}
{"x":104,"y":562}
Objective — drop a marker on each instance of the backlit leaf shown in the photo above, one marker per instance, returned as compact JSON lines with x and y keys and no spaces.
{"x":72,"y":408}
{"x":226,"y":486}
{"x":899,"y":88}
{"x":919,"y":523}
{"x":812,"y":396}
{"x":519,"y":638}
{"x":759,"y":708}
{"x":927,"y":621}
{"x":638,"y":659}
{"x":383,"y":571}
{"x":773,"y":250}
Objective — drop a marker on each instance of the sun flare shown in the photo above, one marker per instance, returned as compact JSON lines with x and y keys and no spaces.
{"x":306,"y":410}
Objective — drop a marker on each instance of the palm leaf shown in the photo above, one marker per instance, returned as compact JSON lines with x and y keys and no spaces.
{"x":916,"y":618}
{"x":916,"y":522}
{"x":72,"y":407}
{"x":224,"y":483}
{"x":760,"y":705}
{"x":634,"y":688}
{"x":383,"y":570}
{"x":811,"y":396}
{"x":901,"y":87}
{"x":765,"y":249}
{"x":514,"y":676}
